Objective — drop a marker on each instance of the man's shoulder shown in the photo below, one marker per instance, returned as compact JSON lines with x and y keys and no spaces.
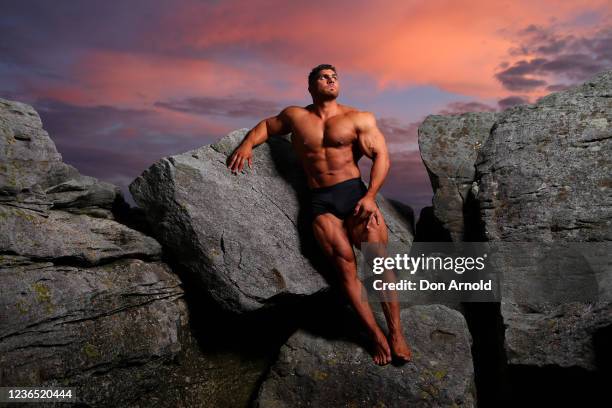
{"x":292,"y":112}
{"x":356,"y":112}
{"x":294,"y":109}
{"x":361,"y":118}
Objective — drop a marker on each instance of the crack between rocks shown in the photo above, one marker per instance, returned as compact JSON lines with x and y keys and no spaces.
{"x":276,"y":205}
{"x":75,"y":261}
{"x":51,"y":345}
{"x":598,"y":139}
{"x":38,"y":212}
{"x":59,"y":320}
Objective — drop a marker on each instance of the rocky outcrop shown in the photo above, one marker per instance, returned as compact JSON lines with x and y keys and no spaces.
{"x":246,"y":238}
{"x":449,"y":146}
{"x":71,"y":238}
{"x":33,"y":176}
{"x":544,"y":176}
{"x":71,"y":325}
{"x":314,"y":370}
{"x":85,"y":301}
{"x":537,"y":174}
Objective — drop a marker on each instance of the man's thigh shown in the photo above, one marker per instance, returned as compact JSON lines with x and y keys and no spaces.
{"x":332,"y":236}
{"x":358,"y":231}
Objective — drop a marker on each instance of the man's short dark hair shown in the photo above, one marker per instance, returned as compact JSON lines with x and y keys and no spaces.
{"x":314,"y":74}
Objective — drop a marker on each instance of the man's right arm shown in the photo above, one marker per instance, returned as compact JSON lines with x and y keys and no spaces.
{"x":275,"y":125}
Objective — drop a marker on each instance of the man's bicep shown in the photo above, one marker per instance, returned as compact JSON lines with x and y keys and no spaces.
{"x":371,"y":140}
{"x":279,"y":124}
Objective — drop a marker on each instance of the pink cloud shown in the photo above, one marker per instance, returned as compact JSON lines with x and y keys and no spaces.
{"x":258,"y":47}
{"x":456,"y":47}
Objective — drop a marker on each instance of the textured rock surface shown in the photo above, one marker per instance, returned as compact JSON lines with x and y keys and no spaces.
{"x":117,"y":332}
{"x":544,"y":176}
{"x":449,"y":146}
{"x":32,"y":174}
{"x":85,"y":301}
{"x":76,"y":238}
{"x":247,"y":238}
{"x":337,"y":372}
{"x":71,"y":325}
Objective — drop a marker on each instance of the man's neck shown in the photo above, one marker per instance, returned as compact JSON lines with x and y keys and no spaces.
{"x":326,"y":108}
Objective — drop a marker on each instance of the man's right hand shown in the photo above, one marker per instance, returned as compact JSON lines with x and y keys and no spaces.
{"x":236,"y":161}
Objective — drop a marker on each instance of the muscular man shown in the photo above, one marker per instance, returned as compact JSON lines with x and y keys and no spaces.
{"x":329,"y":139}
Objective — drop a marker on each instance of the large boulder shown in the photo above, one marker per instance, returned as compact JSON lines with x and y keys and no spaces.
{"x":543,"y":176}
{"x":336,"y":370}
{"x":246,"y":238}
{"x":449,"y":146}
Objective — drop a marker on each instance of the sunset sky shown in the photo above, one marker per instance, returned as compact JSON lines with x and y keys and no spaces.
{"x":121,"y":84}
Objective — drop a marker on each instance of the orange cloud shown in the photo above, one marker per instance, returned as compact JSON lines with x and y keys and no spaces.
{"x":456,"y":46}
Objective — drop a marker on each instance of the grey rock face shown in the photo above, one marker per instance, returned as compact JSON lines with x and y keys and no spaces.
{"x":544,"y":176}
{"x":118,"y":332}
{"x":449,"y":146}
{"x":336,"y":372}
{"x":32,"y":174}
{"x":85,"y":301}
{"x":246,"y":238}
{"x":68,"y":324}
{"x":81,"y":238}
{"x":545,"y":172}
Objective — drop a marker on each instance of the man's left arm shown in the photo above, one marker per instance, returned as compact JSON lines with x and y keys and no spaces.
{"x":372,"y":144}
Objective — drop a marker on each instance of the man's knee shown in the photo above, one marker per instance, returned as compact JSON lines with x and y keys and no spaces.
{"x":376,"y":233}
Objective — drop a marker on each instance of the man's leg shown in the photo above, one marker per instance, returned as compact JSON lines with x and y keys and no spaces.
{"x":334,"y":241}
{"x":358,"y":233}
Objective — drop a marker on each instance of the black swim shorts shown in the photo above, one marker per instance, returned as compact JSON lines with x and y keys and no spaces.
{"x":339,"y":199}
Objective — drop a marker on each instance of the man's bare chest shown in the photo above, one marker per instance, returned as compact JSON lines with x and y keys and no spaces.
{"x":315,"y":134}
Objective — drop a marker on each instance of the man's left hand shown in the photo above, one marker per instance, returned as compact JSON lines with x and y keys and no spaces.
{"x":366,"y":208}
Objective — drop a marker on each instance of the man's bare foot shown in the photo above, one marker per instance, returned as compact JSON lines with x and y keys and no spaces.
{"x":399,"y":348}
{"x":381,"y":352}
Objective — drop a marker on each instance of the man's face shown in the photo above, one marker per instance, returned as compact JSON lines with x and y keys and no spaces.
{"x":326,"y":84}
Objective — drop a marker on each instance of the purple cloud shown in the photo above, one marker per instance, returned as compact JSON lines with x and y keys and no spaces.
{"x":230,"y":106}
{"x":557,"y":56}
{"x":510,"y":101}
{"x":114,"y":144}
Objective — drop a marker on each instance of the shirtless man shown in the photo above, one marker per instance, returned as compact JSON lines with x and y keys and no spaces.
{"x":329,"y":139}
